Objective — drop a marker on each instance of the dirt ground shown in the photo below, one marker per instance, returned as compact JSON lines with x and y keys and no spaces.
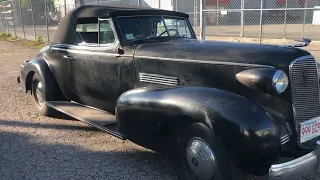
{"x":36,"y":147}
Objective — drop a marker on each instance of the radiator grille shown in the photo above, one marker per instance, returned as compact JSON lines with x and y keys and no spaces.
{"x":305,"y":91}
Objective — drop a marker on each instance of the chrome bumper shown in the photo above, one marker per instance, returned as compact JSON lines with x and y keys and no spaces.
{"x":296,"y":168}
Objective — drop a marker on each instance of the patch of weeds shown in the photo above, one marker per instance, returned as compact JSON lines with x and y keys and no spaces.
{"x":39,"y":39}
{"x":8,"y":37}
{"x":4,"y":35}
{"x":37,"y":44}
{"x":12,"y":38}
{"x":34,"y":44}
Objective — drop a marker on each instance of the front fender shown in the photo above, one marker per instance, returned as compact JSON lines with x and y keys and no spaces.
{"x":244,"y":127}
{"x":42,"y":69}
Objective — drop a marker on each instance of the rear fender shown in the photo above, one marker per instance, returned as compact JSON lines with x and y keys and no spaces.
{"x":245,"y":128}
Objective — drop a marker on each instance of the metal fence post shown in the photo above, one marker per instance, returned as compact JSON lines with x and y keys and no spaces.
{"x":46,"y":16}
{"x":2,"y":24}
{"x":195,"y":17}
{"x":242,"y":19}
{"x":14,"y":20}
{"x":261,"y":20}
{"x":304,"y":18}
{"x":217,"y":19}
{"x":32,"y":17}
{"x":22,"y":20}
{"x":176,"y":5}
{"x":202,"y":24}
{"x":65,"y":7}
{"x":5,"y":17}
{"x":285,"y":20}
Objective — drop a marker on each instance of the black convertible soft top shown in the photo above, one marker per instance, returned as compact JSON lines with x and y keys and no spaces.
{"x":66,"y":32}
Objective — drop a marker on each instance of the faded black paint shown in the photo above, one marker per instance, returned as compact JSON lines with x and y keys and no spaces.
{"x":249,"y":121}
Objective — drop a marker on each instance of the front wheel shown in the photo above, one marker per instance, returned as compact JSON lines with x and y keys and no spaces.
{"x":40,"y":94}
{"x":199,"y":155}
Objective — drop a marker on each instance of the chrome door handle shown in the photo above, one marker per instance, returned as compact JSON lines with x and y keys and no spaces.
{"x":67,"y":57}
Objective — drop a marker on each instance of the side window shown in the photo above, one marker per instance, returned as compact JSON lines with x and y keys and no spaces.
{"x":90,"y":33}
{"x":161,"y":29}
{"x":106,"y":35}
{"x":88,"y":27}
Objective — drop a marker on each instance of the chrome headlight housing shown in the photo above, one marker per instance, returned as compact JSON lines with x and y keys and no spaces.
{"x":280,"y":81}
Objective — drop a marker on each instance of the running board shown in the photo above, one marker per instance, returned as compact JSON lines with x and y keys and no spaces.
{"x":94,"y":117}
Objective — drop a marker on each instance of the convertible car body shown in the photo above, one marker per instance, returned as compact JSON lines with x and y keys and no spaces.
{"x":219,"y":108}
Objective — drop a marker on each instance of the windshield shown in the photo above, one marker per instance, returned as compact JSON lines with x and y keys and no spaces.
{"x":144,"y":27}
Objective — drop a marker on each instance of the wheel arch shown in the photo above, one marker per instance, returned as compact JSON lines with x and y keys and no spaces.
{"x":28,"y":81}
{"x":40,"y":67}
{"x":244,"y":127}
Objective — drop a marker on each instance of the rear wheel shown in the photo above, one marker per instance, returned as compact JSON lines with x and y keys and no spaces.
{"x":199,"y":155}
{"x":40,"y":94}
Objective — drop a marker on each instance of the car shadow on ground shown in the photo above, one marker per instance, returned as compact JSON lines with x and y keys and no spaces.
{"x":46,"y":126}
{"x":24,"y":156}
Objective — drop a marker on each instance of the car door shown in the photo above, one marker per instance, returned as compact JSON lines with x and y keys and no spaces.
{"x":95,"y":76}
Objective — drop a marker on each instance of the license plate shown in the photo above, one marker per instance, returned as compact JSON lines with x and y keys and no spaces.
{"x":310,"y":129}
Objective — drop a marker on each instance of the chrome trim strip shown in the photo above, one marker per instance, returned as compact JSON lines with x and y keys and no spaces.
{"x":295,"y":168}
{"x":165,"y":59}
{"x":285,"y":136}
{"x":284,"y":139}
{"x":158,"y":79}
{"x":158,"y":82}
{"x":81,"y":51}
{"x":283,"y":143}
{"x":58,"y":49}
{"x":203,"y":61}
{"x":86,"y":52}
{"x":158,"y":75}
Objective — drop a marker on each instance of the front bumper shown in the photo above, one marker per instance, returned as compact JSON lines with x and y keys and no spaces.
{"x":296,"y":168}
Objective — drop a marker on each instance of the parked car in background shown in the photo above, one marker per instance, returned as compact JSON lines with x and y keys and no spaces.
{"x":221,"y":109}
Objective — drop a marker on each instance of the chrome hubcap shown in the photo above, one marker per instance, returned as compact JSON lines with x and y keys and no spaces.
{"x":201,"y":159}
{"x":39,"y":94}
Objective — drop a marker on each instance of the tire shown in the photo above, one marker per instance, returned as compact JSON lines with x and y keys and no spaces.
{"x":40,"y":94}
{"x":196,"y":133}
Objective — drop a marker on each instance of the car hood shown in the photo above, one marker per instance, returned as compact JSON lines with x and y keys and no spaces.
{"x":272,"y":55}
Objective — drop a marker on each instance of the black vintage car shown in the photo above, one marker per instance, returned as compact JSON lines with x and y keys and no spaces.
{"x":221,"y":109}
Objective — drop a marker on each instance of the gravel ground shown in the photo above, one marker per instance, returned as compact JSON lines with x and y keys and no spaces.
{"x":36,"y":147}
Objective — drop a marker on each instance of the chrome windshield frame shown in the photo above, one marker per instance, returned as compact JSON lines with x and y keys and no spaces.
{"x":162,"y":17}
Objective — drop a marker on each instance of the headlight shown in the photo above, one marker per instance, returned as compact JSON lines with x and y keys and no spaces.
{"x":264,"y":80}
{"x":280,"y":81}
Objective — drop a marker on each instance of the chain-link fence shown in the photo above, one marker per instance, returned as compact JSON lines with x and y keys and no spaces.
{"x":292,"y":19}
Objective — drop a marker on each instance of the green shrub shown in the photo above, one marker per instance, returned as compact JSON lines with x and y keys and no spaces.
{"x":39,"y":39}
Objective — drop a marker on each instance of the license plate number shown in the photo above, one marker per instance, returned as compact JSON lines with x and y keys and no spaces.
{"x":310,"y":129}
